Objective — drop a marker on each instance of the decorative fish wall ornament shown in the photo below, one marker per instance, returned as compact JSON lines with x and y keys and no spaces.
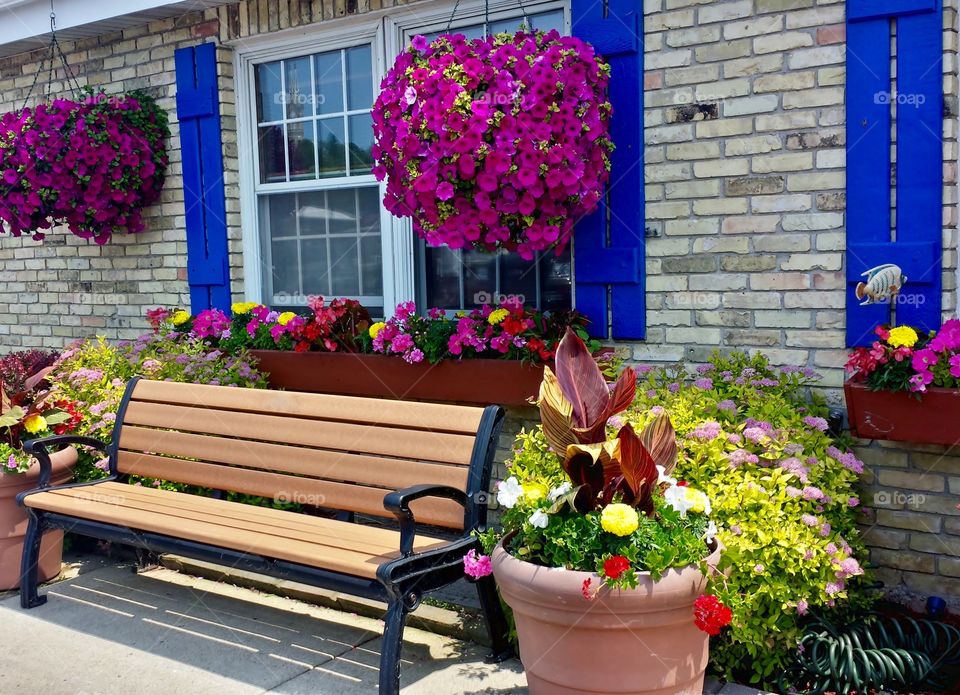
{"x":883,"y":283}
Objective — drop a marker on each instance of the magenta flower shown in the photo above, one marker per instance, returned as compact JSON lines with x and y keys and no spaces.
{"x":477,"y":566}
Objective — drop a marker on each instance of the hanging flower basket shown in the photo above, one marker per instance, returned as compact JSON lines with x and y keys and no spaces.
{"x":494,"y":143}
{"x":92,"y":164}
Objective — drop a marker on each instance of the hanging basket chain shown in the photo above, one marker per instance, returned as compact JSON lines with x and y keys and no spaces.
{"x":54,"y":51}
{"x":486,"y":15}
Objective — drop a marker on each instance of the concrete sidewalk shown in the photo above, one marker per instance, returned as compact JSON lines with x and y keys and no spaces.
{"x":112,"y":632}
{"x":108,"y":631}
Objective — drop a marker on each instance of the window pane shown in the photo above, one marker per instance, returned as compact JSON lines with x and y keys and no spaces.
{"x":285,"y":270}
{"x":299,"y":99}
{"x":328,"y":76}
{"x":272,"y":160}
{"x":371,"y":264}
{"x":316,"y":278}
{"x":312,"y":212}
{"x":282,"y":213}
{"x":344,"y":266}
{"x":442,"y":278}
{"x":547,"y":21}
{"x":479,"y":278}
{"x":269,"y":92}
{"x":369,"y":207}
{"x":300,"y":141}
{"x":518,"y":278}
{"x":331,"y":147}
{"x":361,"y":144}
{"x":359,"y":78}
{"x":555,"y":281}
{"x":342,"y":214}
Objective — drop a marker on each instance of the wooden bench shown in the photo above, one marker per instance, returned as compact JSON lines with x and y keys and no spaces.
{"x":413,"y":463}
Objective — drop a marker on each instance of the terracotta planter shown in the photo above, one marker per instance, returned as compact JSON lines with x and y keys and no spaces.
{"x":934,"y":418}
{"x":483,"y":382}
{"x":638,"y":641}
{"x":13,"y":521}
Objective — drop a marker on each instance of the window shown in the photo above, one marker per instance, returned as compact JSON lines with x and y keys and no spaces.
{"x":313,"y":218}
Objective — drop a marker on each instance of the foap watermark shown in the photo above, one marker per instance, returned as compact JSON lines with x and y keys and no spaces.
{"x":897,"y":498}
{"x":297,"y":497}
{"x":299,"y":99}
{"x":915,"y":100}
{"x":484,"y":297}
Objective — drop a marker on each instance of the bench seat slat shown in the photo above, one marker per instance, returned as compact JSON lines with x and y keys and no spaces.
{"x":325,"y":493}
{"x":367,"y":439}
{"x":315,"y":463}
{"x":432,"y":416}
{"x":111,"y":505}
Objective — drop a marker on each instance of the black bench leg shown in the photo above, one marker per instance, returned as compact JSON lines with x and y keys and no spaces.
{"x":29,"y":566}
{"x":497,"y":626}
{"x":392,"y":645}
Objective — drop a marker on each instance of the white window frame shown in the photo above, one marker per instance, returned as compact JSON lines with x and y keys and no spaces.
{"x":388,"y":32}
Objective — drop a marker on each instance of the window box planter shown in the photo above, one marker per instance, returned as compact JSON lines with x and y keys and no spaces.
{"x":900,"y":416}
{"x":13,"y":520}
{"x":479,"y":381}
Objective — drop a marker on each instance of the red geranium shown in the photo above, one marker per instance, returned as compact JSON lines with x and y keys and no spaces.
{"x":710,"y":615}
{"x":615,"y":566}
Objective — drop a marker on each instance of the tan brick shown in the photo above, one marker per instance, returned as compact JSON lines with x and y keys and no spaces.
{"x":720,"y":206}
{"x":784,"y":83}
{"x":782,"y":242}
{"x":753,"y":145}
{"x":793,"y":161}
{"x":780,"y":203}
{"x":909,"y":520}
{"x":786,"y":41}
{"x":902,"y":561}
{"x":912,"y":480}
{"x":756,"y":224}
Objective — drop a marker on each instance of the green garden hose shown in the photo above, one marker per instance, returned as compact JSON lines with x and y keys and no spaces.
{"x":874,"y":652}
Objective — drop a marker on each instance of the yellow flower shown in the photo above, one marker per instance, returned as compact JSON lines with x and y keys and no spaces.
{"x":376,"y":328}
{"x":240,"y":308}
{"x":180,"y":317}
{"x":902,"y":336}
{"x":35,"y":423}
{"x":286,"y":317}
{"x":698,"y":501}
{"x":619,"y":519}
{"x":497,"y":315}
{"x":534,"y":491}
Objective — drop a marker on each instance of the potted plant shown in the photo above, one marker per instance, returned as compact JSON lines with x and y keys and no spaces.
{"x":604,"y":557}
{"x":27,"y":412}
{"x":904,"y":387}
{"x":489,"y":355}
{"x":525,"y":150}
{"x":92,"y":164}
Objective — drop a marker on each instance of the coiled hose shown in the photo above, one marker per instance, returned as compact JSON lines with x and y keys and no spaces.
{"x":874,"y":652}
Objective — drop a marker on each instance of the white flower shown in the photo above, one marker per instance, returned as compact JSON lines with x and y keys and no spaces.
{"x":676,"y":497}
{"x":539,"y":519}
{"x":662,"y":476}
{"x":559,"y":491}
{"x":509,"y":492}
{"x":410,"y":96}
{"x":711,"y":532}
{"x":706,"y":505}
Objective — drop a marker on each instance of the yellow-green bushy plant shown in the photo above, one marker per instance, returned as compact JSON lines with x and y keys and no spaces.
{"x":755,"y":440}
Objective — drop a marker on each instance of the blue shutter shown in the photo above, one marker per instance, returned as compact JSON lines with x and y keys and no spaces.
{"x":198,"y":111}
{"x":608,"y":245}
{"x":918,"y":185}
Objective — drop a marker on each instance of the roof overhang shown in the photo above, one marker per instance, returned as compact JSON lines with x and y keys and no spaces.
{"x":25,"y":24}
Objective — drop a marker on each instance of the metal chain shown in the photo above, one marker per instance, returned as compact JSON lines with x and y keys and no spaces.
{"x":486,"y":14}
{"x":53,"y":52}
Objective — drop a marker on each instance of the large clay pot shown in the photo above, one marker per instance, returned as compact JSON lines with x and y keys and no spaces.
{"x":641,"y":640}
{"x":13,"y":520}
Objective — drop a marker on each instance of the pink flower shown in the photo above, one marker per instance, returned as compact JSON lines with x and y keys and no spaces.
{"x":802,"y":607}
{"x":477,"y":566}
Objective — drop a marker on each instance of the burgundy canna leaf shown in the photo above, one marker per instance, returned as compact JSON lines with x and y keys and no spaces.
{"x":639,"y":470}
{"x":581,"y":381}
{"x":660,"y":440}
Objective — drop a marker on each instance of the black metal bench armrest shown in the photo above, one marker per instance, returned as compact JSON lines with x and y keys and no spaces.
{"x":39,"y":449}
{"x":399,"y":503}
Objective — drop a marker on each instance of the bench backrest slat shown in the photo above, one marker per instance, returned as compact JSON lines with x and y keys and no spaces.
{"x":337,"y":452}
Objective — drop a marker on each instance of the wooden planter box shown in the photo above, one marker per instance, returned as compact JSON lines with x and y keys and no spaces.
{"x":900,"y":416}
{"x":474,"y":381}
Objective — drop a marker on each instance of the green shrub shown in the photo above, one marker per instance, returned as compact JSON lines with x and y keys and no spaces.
{"x":94,"y":373}
{"x":755,"y":441}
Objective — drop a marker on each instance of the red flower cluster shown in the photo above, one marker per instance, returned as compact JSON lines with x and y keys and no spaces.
{"x":69,"y":407}
{"x":335,"y":326}
{"x":615,"y":566}
{"x":710,"y":615}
